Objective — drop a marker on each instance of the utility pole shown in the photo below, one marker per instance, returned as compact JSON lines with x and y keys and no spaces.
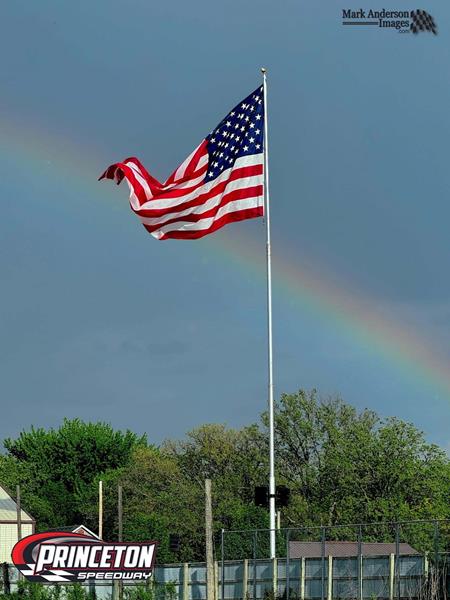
{"x":100,"y":509}
{"x":19,"y":514}
{"x":117,"y":590}
{"x":210,"y":586}
{"x":19,"y":518}
{"x":120,"y":524}
{"x":120,"y":512}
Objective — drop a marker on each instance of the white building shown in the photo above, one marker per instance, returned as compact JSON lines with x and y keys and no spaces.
{"x":8,"y":525}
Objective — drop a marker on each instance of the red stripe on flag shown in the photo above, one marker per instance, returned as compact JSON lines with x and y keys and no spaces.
{"x":233,"y":217}
{"x":190,"y":168}
{"x":235,"y":174}
{"x":241,"y":194}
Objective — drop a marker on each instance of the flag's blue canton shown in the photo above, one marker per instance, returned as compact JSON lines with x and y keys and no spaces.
{"x":239,"y":134}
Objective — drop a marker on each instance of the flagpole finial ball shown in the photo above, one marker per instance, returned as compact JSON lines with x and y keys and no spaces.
{"x":263,"y":70}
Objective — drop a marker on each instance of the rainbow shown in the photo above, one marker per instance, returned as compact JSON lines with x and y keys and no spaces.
{"x":356,"y":316}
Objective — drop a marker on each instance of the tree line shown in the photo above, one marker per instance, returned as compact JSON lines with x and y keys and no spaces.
{"x":341,"y":465}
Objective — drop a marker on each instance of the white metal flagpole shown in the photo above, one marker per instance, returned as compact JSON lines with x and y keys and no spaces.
{"x":269,"y":326}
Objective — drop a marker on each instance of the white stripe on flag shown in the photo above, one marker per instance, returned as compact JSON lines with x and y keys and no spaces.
{"x":182,"y":168}
{"x":236,"y":184}
{"x":245,"y":161}
{"x":203,"y":224}
{"x":138,"y":174}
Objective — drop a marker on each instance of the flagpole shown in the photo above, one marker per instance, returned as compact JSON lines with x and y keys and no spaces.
{"x":269,"y":326}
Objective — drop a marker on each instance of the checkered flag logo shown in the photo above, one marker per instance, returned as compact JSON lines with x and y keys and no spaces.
{"x":422,"y":21}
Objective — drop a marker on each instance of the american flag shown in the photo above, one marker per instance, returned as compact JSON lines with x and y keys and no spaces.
{"x":220,"y":182}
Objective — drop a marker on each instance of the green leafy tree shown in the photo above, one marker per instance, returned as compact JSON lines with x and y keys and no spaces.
{"x":349,"y":467}
{"x":157,"y":501}
{"x":163,"y":490}
{"x":235,"y":461}
{"x":56,"y":467}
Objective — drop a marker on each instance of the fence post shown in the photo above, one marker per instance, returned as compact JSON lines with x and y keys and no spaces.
{"x":222,"y":574}
{"x":436,"y":545}
{"x":360,"y":564}
{"x":274,"y":576}
{"x":330,"y":578}
{"x":397,"y":559}
{"x":302,"y":578}
{"x":441,"y":580}
{"x":216,"y":579}
{"x":288,"y":564}
{"x":245,"y":579}
{"x":322,"y":595}
{"x":185,"y":581}
{"x":391,"y":575}
{"x":5,"y":579}
{"x":209,"y":542}
{"x":255,"y":543}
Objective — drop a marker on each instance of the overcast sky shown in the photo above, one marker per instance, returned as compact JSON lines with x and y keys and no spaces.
{"x":101,"y":321}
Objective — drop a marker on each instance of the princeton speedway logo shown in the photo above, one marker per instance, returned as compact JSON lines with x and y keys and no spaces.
{"x":61,"y":557}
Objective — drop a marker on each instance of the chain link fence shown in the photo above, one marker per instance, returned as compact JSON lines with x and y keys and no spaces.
{"x":382,"y":561}
{"x":392,"y":561}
